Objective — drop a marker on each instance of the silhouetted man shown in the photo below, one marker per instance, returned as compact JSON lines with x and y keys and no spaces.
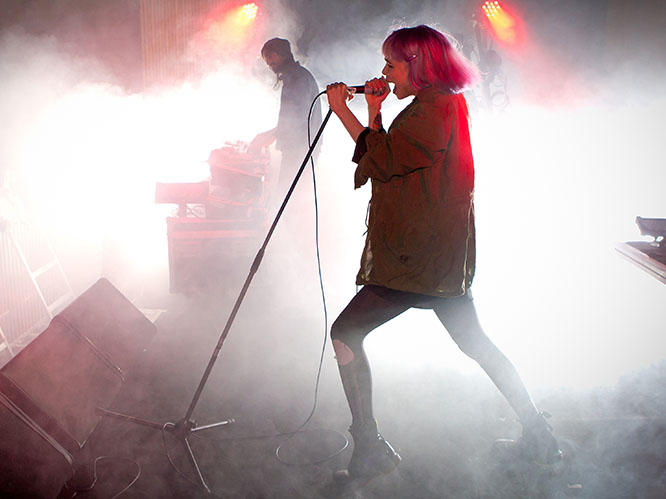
{"x":299,"y":88}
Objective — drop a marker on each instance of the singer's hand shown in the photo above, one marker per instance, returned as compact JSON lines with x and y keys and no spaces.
{"x":338,"y":94}
{"x":379,"y":90}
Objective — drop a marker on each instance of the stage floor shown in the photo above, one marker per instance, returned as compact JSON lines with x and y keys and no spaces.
{"x":443,"y":422}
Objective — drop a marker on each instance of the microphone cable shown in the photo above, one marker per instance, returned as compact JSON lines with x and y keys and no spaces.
{"x":298,"y":430}
{"x":93,"y":482}
{"x":323,"y":299}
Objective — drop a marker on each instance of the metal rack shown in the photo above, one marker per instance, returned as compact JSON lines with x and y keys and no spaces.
{"x":34,"y":286}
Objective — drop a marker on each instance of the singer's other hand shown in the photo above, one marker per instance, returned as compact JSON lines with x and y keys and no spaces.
{"x":379,"y":90}
{"x":338,"y":94}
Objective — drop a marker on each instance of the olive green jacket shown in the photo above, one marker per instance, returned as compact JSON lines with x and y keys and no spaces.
{"x":421,"y":235}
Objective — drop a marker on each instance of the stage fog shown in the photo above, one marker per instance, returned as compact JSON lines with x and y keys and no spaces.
{"x":563,"y":166}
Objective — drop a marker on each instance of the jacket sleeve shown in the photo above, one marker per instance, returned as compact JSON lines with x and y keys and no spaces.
{"x":418,"y":138}
{"x":361,"y":146}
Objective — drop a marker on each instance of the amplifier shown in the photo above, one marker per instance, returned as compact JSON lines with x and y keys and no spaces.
{"x":203,"y":251}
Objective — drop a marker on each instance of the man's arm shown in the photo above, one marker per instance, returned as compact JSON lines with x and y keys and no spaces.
{"x":263,"y":140}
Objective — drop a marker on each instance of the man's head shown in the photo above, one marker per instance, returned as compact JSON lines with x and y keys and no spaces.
{"x":276,"y":52}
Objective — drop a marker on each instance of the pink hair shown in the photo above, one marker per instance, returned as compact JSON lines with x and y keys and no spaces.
{"x":433,"y":60}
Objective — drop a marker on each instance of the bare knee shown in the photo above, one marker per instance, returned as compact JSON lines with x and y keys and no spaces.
{"x":343,"y":354}
{"x":345,"y":342}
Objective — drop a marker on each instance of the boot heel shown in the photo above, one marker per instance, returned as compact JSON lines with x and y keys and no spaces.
{"x":372,"y":457}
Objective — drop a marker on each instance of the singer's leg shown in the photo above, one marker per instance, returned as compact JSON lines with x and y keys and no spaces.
{"x":459,"y":317}
{"x":371,"y":307}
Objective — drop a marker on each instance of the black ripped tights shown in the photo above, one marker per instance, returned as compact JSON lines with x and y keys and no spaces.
{"x":373,"y":305}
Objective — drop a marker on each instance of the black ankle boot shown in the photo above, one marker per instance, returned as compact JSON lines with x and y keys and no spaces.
{"x":537,"y":443}
{"x":372,"y":454}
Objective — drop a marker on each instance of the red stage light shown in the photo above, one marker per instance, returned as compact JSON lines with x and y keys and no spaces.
{"x":506,"y":27}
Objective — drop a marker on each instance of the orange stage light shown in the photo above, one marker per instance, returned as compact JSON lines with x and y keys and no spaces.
{"x":244,"y":15}
{"x":232,"y":26}
{"x":250,"y":11}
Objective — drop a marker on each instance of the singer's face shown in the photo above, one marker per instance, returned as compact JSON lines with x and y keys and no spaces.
{"x":397,"y":72}
{"x":274,"y":61}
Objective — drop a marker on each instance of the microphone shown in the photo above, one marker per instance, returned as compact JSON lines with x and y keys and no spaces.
{"x":360,"y":89}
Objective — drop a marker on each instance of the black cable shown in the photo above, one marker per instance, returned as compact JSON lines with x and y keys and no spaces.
{"x":323,"y":298}
{"x":94,"y":479}
{"x":127,"y":487}
{"x":173,"y":465}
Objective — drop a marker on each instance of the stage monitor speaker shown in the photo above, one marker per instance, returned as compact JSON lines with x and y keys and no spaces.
{"x":32,"y":463}
{"x":66,"y":378}
{"x":114,"y":326}
{"x":76,"y":365}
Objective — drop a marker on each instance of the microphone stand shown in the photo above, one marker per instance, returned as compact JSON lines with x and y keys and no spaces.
{"x":186,"y":426}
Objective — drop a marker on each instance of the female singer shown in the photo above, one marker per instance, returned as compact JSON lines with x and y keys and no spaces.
{"x":420,"y":244}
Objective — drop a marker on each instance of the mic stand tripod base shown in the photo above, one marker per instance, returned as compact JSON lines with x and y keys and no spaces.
{"x":182,"y":430}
